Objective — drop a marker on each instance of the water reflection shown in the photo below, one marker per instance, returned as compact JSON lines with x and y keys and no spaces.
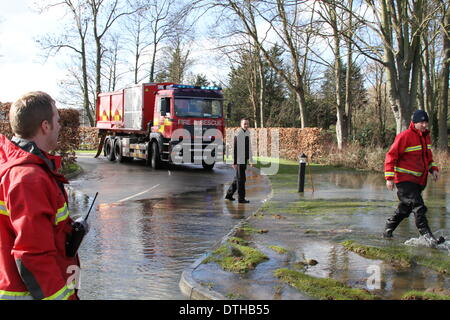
{"x":138,"y":249}
{"x":366,"y":226}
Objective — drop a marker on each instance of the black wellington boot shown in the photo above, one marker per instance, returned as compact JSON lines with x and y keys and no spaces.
{"x":391,"y":224}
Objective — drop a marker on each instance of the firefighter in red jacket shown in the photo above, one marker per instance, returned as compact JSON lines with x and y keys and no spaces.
{"x":407,"y":165}
{"x":34,"y":217}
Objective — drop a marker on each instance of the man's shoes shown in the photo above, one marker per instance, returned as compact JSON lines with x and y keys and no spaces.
{"x":230,"y":198}
{"x":387,"y":234}
{"x":244,"y":201}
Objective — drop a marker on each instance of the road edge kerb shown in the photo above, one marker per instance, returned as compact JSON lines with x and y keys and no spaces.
{"x":194,"y":290}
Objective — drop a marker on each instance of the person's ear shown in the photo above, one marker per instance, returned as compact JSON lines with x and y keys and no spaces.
{"x":45,"y":127}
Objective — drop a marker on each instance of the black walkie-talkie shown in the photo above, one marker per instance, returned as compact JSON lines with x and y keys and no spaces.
{"x":79,"y":230}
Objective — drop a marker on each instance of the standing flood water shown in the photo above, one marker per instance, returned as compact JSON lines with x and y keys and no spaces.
{"x":138,"y":249}
{"x":346,"y":205}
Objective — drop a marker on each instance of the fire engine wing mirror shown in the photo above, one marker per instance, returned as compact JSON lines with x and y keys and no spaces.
{"x":229,"y":105}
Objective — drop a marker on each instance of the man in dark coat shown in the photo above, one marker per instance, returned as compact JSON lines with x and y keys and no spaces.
{"x":242,"y":155}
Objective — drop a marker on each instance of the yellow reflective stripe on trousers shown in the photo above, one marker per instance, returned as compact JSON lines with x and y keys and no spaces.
{"x":403,"y":170}
{"x":12,"y":295}
{"x":3,"y":209}
{"x":62,"y":214}
{"x":413,"y":148}
{"x":63,"y":294}
{"x":428,"y":146}
{"x":389,"y":174}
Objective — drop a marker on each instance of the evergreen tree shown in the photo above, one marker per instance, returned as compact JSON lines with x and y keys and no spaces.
{"x":324,"y":114}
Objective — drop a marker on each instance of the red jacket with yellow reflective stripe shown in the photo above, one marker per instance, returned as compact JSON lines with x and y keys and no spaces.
{"x":34,"y":224}
{"x":410,"y":157}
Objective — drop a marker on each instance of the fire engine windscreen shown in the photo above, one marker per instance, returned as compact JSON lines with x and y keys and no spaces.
{"x":198,"y":108}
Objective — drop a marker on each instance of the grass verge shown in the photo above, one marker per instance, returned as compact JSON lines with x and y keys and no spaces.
{"x":421,"y":295}
{"x":322,"y":206}
{"x":278,"y":249}
{"x":70,"y":169}
{"x":400,"y":256}
{"x":236,"y":258}
{"x":322,"y":288}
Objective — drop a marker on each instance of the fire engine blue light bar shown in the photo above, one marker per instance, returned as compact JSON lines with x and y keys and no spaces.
{"x":185,"y":86}
{"x":210,"y":88}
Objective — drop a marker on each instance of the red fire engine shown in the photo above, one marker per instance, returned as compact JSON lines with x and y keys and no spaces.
{"x":162,"y":123}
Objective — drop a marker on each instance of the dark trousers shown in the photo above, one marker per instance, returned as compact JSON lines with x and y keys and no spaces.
{"x":410,"y":196}
{"x":238,"y":182}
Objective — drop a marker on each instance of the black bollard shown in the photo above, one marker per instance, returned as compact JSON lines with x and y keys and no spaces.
{"x":302,"y":172}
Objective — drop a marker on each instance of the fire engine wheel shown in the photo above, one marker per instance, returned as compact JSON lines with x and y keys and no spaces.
{"x":109,"y":148}
{"x":105,"y":145}
{"x":155,"y":159}
{"x":118,"y":152}
{"x":148,"y":158}
{"x":208,"y":167}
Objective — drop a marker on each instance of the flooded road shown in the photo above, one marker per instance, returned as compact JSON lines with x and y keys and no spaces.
{"x":345,"y":205}
{"x":138,"y":248}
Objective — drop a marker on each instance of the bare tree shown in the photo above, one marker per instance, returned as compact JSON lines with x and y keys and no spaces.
{"x":137,"y":27}
{"x":167,"y":18}
{"x":113,"y":62}
{"x":104,"y":14}
{"x":444,"y":77}
{"x":75,"y":39}
{"x":330,"y":15}
{"x":398,"y":25}
{"x":282,"y":17}
{"x":348,"y":76}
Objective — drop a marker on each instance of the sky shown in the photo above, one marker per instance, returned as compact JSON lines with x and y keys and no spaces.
{"x":22,"y":65}
{"x":22,"y":68}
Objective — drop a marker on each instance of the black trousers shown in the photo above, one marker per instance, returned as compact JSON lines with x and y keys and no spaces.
{"x":238,"y":182}
{"x":410,"y":196}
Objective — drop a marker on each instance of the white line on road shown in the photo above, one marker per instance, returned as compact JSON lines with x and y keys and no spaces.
{"x":138,"y":194}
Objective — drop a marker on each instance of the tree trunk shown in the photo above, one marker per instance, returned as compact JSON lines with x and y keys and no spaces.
{"x":401,"y":57}
{"x":443,"y":105}
{"x":252,"y":91}
{"x":348,"y":76}
{"x":300,"y":94}
{"x":152,"y":65}
{"x":86,"y":104}
{"x":261,"y":90}
{"x":341,"y":128}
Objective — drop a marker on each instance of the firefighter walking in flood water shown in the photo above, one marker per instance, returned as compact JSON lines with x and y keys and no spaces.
{"x":407,"y":165}
{"x":242,"y":155}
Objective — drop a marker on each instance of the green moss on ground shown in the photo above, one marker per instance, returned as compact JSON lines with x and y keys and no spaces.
{"x":421,"y":295}
{"x":322,"y":206}
{"x":246,"y":229}
{"x":238,"y":240}
{"x":234,"y":296}
{"x":392,"y":255}
{"x":400,"y":256}
{"x":322,"y":288}
{"x":236,"y":258}
{"x":290,"y":167}
{"x":278,"y":249}
{"x":70,"y":169}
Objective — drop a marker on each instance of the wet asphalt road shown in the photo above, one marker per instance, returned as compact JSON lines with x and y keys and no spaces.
{"x":118,"y":182}
{"x":149,"y":225}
